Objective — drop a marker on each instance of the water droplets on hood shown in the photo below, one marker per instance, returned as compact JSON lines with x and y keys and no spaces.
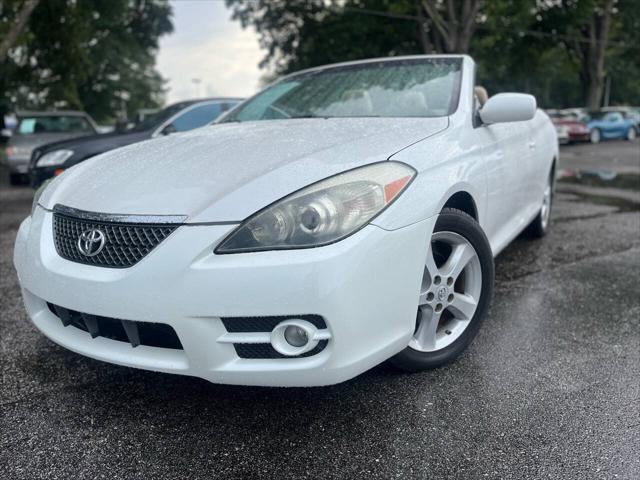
{"x":226,"y":172}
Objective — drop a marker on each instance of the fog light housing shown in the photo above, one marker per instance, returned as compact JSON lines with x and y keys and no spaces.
{"x":296,"y":336}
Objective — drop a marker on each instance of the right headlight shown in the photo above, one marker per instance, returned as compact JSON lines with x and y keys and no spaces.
{"x":54,"y":158}
{"x":324,"y":212}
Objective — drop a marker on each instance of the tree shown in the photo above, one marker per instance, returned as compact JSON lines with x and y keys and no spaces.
{"x":584,"y":27}
{"x":592,"y":51}
{"x":93,"y":55}
{"x":302,"y":33}
{"x":453,"y":23}
{"x":623,"y":56}
{"x":559,"y":51}
{"x":17,"y":27}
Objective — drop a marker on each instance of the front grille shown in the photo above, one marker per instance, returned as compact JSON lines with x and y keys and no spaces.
{"x":135,"y":333}
{"x":125,"y":243}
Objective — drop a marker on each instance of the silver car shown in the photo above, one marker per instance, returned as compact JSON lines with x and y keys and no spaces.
{"x":39,"y":128}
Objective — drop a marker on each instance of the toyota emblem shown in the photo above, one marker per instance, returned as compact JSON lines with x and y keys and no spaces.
{"x":91,"y":242}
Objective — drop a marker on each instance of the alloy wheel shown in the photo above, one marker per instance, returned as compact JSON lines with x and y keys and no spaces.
{"x":449,"y":293}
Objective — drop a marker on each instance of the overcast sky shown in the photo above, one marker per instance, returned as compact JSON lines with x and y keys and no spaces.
{"x":207,"y":45}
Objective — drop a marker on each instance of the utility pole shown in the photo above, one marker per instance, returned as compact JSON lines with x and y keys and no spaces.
{"x":196,"y":82}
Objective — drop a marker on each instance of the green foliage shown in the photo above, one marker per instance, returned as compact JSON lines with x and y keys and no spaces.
{"x":519,"y":45}
{"x":299,"y":33}
{"x":95,"y":55}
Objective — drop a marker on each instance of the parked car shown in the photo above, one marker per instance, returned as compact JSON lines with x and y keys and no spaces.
{"x":610,"y":125}
{"x":38,"y":128}
{"x":569,"y":129}
{"x":54,"y":158}
{"x":345,"y":215}
{"x":630,"y":113}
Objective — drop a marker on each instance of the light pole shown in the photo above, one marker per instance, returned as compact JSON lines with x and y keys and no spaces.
{"x":196,"y":83}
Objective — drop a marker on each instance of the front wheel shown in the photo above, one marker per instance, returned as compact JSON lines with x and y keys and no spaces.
{"x":455,"y":292}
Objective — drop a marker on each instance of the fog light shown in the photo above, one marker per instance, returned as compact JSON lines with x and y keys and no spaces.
{"x":295,"y":336}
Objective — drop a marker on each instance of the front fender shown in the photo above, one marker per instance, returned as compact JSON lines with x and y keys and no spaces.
{"x":458,"y":168}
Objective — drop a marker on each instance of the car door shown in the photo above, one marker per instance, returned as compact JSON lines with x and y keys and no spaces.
{"x":614,"y":125}
{"x":536,"y":163}
{"x":505,"y":153}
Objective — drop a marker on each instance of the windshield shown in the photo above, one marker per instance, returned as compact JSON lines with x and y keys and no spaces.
{"x":159,"y":118}
{"x":596,"y":115}
{"x":400,"y":88}
{"x":36,"y":124}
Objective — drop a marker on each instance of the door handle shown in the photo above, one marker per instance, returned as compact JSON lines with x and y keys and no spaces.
{"x":532,"y":145}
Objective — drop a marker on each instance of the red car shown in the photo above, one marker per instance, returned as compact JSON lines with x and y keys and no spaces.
{"x":570,"y":129}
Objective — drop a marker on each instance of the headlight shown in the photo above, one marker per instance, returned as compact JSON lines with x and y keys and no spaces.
{"x":324,"y":212}
{"x":38,"y":194}
{"x":53,"y":159}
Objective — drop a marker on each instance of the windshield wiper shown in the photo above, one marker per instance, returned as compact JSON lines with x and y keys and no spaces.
{"x":310,"y":115}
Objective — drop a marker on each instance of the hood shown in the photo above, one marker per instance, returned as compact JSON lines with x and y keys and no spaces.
{"x":226,"y":172}
{"x":89,"y":146}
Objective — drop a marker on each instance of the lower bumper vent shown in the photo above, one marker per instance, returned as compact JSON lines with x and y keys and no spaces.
{"x":136,"y":333}
{"x":265,"y":350}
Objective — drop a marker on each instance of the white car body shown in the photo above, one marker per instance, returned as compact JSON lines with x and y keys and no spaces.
{"x":364,"y":287}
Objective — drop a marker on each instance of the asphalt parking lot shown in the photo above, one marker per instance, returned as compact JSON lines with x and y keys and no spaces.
{"x":549,"y":389}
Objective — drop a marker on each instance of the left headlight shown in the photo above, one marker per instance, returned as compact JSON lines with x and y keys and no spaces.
{"x":324,"y":212}
{"x":38,"y":194}
{"x":53,"y":159}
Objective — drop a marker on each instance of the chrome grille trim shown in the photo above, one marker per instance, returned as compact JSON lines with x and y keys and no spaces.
{"x":117,"y":217}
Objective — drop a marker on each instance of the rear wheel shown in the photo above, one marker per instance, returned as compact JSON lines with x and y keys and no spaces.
{"x":455,"y":292}
{"x":540,"y":225}
{"x":595,"y":136}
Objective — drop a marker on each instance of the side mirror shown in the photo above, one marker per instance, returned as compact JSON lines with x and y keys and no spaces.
{"x":508,"y":107}
{"x":168,"y":130}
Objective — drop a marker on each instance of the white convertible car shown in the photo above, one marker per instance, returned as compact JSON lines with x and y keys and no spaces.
{"x":344,"y":216}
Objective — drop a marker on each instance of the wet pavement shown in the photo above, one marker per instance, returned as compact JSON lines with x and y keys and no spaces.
{"x":549,"y":389}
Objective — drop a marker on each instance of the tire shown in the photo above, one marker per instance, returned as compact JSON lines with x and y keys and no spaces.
{"x":595,"y":136}
{"x":454,"y":329}
{"x":631,"y":134}
{"x":540,"y":225}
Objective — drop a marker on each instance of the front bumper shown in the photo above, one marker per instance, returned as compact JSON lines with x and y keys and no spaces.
{"x":364,"y":287}
{"x":579,"y":136}
{"x":18,"y":164}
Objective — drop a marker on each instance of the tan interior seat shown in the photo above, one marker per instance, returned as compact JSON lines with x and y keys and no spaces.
{"x":481,"y":94}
